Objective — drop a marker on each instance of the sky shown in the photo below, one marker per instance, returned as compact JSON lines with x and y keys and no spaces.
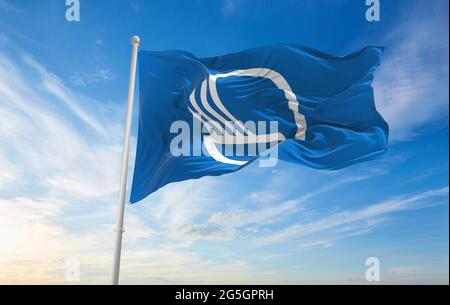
{"x":63,"y":89}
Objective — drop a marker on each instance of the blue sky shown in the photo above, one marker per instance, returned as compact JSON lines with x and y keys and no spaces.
{"x":63,"y":88}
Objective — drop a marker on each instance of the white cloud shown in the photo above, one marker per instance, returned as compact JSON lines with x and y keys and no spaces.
{"x":176,"y":212}
{"x":238,"y":218}
{"x":348,"y":223}
{"x":42,"y":136}
{"x":25,"y":230}
{"x":39,"y":235}
{"x":67,"y":157}
{"x":55,"y":86}
{"x":99,"y":74}
{"x":178,"y":204}
{"x":8,"y":172}
{"x":268,"y":213}
{"x":411,"y":86}
{"x":332,"y":237}
{"x":264,"y":197}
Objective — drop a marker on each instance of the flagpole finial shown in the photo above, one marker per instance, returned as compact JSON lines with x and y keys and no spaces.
{"x":135,"y":39}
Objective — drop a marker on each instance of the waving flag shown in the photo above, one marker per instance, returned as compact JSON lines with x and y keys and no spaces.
{"x":194,"y":112}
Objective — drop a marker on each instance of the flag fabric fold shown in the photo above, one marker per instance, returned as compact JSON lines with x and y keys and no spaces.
{"x":323,"y":106}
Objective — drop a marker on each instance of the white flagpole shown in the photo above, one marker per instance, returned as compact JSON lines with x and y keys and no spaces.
{"x":126,"y":151}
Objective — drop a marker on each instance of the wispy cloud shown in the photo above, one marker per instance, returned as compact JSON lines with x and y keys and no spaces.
{"x":63,"y":155}
{"x":99,"y":74}
{"x":55,"y":86}
{"x":411,"y":85}
{"x":347,"y":223}
{"x":268,"y":213}
{"x":8,"y":172}
{"x":62,"y":145}
{"x":38,"y":239}
{"x":174,"y":213}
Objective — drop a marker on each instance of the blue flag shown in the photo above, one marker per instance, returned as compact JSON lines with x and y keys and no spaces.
{"x":211,"y":116}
